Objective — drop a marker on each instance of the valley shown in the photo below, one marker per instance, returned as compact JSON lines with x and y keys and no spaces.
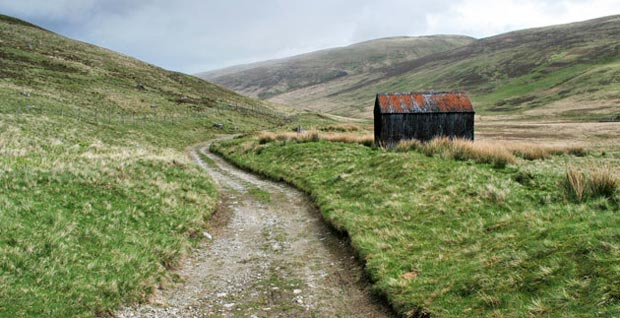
{"x":564,"y":72}
{"x":98,"y":198}
{"x":119,"y":197}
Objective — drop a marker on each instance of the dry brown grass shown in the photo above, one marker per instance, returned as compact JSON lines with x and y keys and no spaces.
{"x":366,"y":140}
{"x":591,"y":182}
{"x":460,"y":149}
{"x":493,"y":152}
{"x":530,"y":151}
{"x":575,"y":184}
{"x":342,"y":128}
{"x":406,"y":145}
{"x":603,"y":183}
{"x":265,"y":137}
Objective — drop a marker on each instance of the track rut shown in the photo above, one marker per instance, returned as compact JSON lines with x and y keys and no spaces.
{"x":271,"y":255}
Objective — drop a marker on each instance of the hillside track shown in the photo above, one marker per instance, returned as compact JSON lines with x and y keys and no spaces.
{"x":271,"y":255}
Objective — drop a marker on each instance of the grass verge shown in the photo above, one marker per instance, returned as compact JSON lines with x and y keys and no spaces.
{"x":456,"y":238}
{"x":98,"y":199}
{"x":87,"y":224}
{"x":498,"y":154}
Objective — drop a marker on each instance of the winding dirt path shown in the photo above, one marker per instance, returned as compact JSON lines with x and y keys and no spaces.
{"x":271,"y":256}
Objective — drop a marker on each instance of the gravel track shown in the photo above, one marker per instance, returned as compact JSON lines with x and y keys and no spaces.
{"x":271,"y":255}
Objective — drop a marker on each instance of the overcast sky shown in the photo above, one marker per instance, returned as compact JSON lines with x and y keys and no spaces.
{"x":197,"y":35}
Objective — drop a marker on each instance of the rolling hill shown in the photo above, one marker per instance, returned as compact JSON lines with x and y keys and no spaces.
{"x":566,"y":71}
{"x":98,"y":198}
{"x":273,"y":78}
{"x":57,"y":71}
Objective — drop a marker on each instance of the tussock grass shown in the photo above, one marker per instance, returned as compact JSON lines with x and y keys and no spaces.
{"x":313,"y":135}
{"x":455,"y":239}
{"x":306,"y":136}
{"x":575,"y":184}
{"x":530,"y":151}
{"x":604,"y":183}
{"x":498,"y":154}
{"x":591,"y":182}
{"x":366,"y":139}
{"x":345,"y":127}
{"x":460,"y":149}
{"x":90,"y":220}
{"x":93,"y":212}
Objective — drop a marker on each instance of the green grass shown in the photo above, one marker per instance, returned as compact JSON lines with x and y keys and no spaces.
{"x":88,"y":225}
{"x":260,"y":194}
{"x":98,"y":198}
{"x":331,"y":65}
{"x":456,"y":238}
{"x":558,"y":66}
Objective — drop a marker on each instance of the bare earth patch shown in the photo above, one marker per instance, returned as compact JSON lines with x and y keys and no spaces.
{"x":272,"y":256}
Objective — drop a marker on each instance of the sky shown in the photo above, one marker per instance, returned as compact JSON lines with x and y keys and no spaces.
{"x":193,"y":36}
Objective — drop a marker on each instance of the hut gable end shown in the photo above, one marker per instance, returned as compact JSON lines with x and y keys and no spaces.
{"x":422,"y":116}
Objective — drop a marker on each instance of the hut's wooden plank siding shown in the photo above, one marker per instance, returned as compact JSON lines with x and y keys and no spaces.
{"x":418,"y":123}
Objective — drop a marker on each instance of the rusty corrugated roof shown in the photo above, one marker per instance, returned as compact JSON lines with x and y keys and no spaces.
{"x":424,"y":102}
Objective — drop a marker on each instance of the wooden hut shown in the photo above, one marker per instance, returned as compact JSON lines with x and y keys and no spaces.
{"x":422,"y":116}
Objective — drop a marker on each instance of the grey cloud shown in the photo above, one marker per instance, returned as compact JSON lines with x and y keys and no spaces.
{"x":195,"y":35}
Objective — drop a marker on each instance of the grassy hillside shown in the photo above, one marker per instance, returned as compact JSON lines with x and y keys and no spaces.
{"x":272,"y":78}
{"x":98,"y":198}
{"x":456,"y":238}
{"x":567,"y":71}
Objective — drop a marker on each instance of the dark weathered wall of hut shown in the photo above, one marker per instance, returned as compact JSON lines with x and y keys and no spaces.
{"x":391,"y":128}
{"x":378,"y":126}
